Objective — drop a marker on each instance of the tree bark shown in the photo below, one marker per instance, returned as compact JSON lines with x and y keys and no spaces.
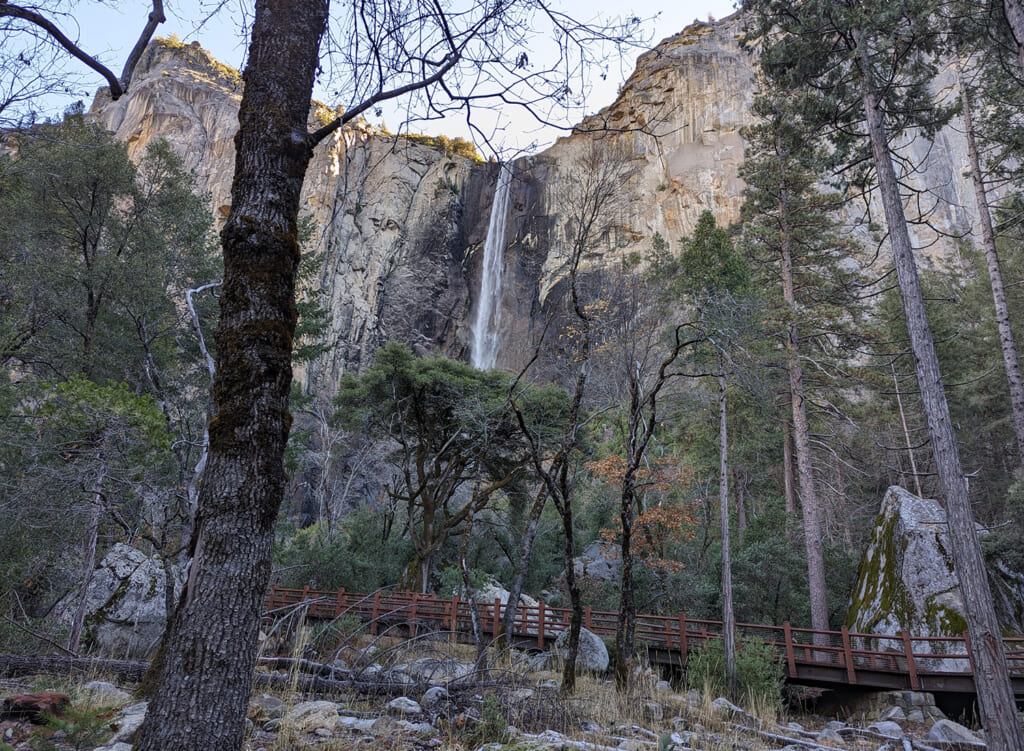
{"x":89,"y":562}
{"x":204,"y":670}
{"x":1014,"y":11}
{"x":809,"y":502}
{"x":515,"y":591}
{"x":995,"y":275}
{"x":988,"y":659}
{"x":728,"y":615}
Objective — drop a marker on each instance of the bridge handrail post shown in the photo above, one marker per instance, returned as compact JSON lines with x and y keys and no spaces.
{"x":684,"y":647}
{"x":851,"y":675}
{"x":454,"y":625}
{"x":496,"y":618}
{"x":908,"y":652}
{"x":375,"y":612}
{"x":413,"y":628}
{"x":540,"y":624}
{"x":587,"y":622}
{"x":787,"y":636}
{"x":339,"y":603}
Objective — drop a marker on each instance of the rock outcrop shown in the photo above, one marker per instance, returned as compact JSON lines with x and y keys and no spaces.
{"x":126,"y":604}
{"x":400,"y":222}
{"x":907,"y":580}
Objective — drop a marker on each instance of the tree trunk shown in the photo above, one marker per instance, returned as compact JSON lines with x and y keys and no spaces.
{"x":89,"y":561}
{"x":995,"y":694}
{"x":568,"y":686}
{"x":1015,"y":18}
{"x":809,"y":501}
{"x":787,"y":463}
{"x":995,"y":274}
{"x":741,"y":503}
{"x":204,"y":671}
{"x":728,"y":616}
{"x":625,"y":626}
{"x":516,"y":589}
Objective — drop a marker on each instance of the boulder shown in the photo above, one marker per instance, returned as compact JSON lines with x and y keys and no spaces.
{"x":592,"y":654}
{"x":434,"y":697}
{"x":307,"y":716}
{"x":403,"y":705}
{"x":105,"y":694}
{"x":599,"y":560}
{"x":906,"y":581}
{"x":125,"y":615}
{"x":127,"y":723}
{"x":34,"y":707}
{"x":947,"y":731}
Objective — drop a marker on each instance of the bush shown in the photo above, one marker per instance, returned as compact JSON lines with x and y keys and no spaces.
{"x":759,"y":672}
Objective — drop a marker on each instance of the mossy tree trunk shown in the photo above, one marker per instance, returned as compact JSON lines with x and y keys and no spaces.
{"x":209,"y":652}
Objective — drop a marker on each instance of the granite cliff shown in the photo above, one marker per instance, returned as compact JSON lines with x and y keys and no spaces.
{"x":400,"y":222}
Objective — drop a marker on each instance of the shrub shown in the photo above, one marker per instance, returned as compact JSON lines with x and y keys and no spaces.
{"x":759,"y":671}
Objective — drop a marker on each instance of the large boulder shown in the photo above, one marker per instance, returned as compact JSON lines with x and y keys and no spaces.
{"x":126,"y":610}
{"x":907,"y":581}
{"x":592,"y":654}
{"x":599,"y":560}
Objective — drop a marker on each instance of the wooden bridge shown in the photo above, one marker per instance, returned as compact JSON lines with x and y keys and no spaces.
{"x":813,"y":658}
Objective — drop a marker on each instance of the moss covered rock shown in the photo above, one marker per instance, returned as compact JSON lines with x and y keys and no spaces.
{"x":907,"y":580}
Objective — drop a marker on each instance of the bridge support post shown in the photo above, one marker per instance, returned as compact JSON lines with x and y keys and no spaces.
{"x":684,"y":647}
{"x":339,"y":603}
{"x":540,"y":625}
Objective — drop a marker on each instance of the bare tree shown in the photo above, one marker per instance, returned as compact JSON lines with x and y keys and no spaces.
{"x":449,"y":57}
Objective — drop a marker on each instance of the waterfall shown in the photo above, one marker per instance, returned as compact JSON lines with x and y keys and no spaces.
{"x":488,"y":308}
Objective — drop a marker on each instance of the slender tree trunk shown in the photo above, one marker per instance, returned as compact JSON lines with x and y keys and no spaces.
{"x":728,"y":615}
{"x":625,"y":627}
{"x":787,"y":461}
{"x":741,"y":503}
{"x":906,"y":435}
{"x":809,"y":502}
{"x":1014,"y":10}
{"x":995,"y":274}
{"x":568,"y":686}
{"x":515,"y":591}
{"x":991,"y":677}
{"x":204,"y":671}
{"x":89,"y":561}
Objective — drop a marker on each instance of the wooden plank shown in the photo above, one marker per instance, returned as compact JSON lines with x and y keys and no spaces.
{"x":540,"y":625}
{"x":684,"y":648}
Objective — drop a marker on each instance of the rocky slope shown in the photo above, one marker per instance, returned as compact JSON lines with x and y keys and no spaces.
{"x":400,"y":223}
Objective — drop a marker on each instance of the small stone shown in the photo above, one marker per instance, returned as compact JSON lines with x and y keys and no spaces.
{"x":664,"y":686}
{"x":725,"y":708}
{"x":307,"y":716}
{"x":633,"y":745}
{"x":795,"y":726}
{"x":887,"y":728}
{"x":403,"y":705}
{"x":358,"y":723}
{"x":322,"y":732}
{"x":952,"y":732}
{"x":272,"y":725}
{"x":835,"y":724}
{"x":267,"y":707}
{"x":106,"y":694}
{"x":434,"y":697}
{"x":915,"y":715}
{"x":831,"y":737}
{"x":115,"y":747}
{"x":894,"y":713}
{"x":653,"y":711}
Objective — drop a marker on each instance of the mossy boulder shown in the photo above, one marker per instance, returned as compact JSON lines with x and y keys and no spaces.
{"x":126,"y":603}
{"x":906,"y":580}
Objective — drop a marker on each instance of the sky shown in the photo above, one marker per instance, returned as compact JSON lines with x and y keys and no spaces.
{"x":112,"y":27}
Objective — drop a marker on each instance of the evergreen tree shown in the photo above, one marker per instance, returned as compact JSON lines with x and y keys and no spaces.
{"x":871,"y":64}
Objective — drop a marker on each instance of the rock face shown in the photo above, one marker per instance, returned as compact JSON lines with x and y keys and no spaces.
{"x":126,"y":613}
{"x":906,"y":579}
{"x":400,"y":222}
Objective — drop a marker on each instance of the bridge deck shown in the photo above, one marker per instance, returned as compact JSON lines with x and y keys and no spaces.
{"x":814,"y":658}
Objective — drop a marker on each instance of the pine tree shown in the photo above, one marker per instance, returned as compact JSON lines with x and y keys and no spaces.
{"x":871,"y":63}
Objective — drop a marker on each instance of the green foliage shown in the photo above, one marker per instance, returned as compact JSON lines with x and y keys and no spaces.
{"x":493,"y":725}
{"x":457,"y":146}
{"x":759,"y":671}
{"x":709,"y":265}
{"x":362,"y":556}
{"x":77,"y":729}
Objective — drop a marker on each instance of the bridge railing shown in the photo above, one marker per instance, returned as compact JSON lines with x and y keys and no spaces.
{"x":540,"y":624}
